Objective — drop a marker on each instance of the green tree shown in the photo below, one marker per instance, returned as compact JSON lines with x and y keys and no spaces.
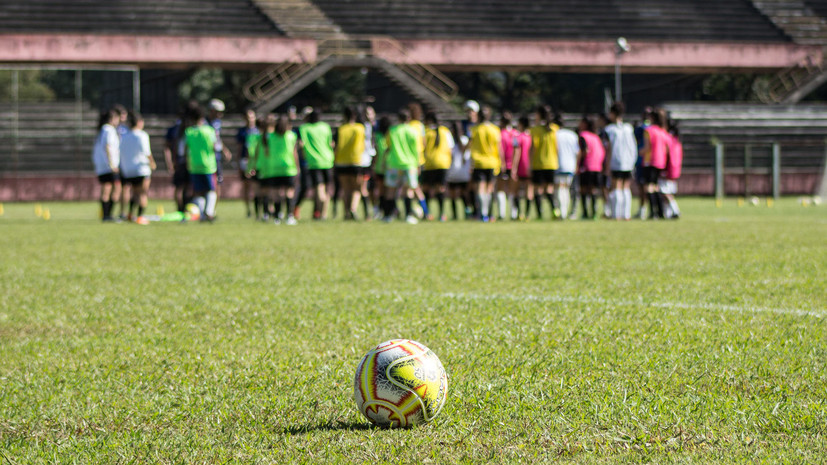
{"x":29,"y":86}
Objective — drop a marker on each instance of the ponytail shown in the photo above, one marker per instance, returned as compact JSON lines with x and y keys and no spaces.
{"x":544,"y":115}
{"x":269,"y":122}
{"x":432,"y":119}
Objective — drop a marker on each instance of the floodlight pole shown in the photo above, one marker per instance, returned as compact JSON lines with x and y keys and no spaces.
{"x":621,"y":47}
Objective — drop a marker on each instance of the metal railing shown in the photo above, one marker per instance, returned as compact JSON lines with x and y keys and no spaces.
{"x":788,"y":80}
{"x":276,"y":78}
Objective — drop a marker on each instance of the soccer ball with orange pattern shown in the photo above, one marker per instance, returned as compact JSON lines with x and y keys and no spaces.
{"x":400,"y":383}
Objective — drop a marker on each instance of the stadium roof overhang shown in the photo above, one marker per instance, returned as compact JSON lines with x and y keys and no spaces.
{"x":549,"y":55}
{"x":160,"y":51}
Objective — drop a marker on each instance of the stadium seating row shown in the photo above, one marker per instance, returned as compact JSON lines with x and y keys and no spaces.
{"x":168,"y":17}
{"x":702,"y":20}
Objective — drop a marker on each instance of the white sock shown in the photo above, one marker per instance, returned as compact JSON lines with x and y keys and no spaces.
{"x":199,"y":202}
{"x":501,"y":203}
{"x":212,"y":198}
{"x":564,"y":199}
{"x":673,"y":204}
{"x":614,"y":202}
{"x":511,"y":205}
{"x":627,"y":207}
{"x":607,"y":207}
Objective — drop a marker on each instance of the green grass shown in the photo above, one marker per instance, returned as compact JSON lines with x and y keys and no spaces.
{"x":695,"y":341}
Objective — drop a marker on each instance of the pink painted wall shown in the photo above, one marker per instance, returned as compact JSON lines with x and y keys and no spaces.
{"x":597,"y":55}
{"x":152,"y":50}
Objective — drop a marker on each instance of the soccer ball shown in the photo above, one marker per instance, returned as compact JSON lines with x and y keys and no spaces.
{"x":400,"y":383}
{"x":193,"y":211}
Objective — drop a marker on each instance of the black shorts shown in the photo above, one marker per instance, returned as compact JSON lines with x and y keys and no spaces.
{"x":622,"y":175}
{"x":650,"y":175}
{"x":181,"y":177}
{"x":279,"y":181}
{"x":106,"y":178}
{"x":482,"y":175}
{"x":505,"y":174}
{"x":591,"y":179}
{"x":542,"y":176}
{"x":434,"y":178}
{"x":323,"y":176}
{"x":349,"y":170}
{"x":137,"y":181}
{"x":458,"y":185}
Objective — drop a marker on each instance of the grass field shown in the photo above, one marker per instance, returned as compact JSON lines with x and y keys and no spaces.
{"x":702,"y":340}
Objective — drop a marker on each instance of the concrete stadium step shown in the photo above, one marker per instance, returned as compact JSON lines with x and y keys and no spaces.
{"x":300,"y":18}
{"x":189,"y":17}
{"x":683,"y":19}
{"x":796,"y":19}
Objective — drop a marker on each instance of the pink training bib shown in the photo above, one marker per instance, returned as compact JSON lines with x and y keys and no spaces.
{"x":507,"y":142}
{"x":595,"y":152}
{"x":673,"y":165}
{"x":658,"y":140}
{"x":524,"y":144}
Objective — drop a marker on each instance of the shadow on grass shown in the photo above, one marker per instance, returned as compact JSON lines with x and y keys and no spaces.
{"x":329,"y":426}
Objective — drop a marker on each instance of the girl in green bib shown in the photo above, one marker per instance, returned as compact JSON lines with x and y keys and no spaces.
{"x":276,"y":163}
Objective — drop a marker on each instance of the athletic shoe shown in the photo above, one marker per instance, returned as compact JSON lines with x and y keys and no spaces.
{"x":277,"y":221}
{"x":443,"y":219}
{"x":291,"y":221}
{"x":142,"y":220}
{"x":411,"y":219}
{"x":485,"y":219}
{"x":387,"y":219}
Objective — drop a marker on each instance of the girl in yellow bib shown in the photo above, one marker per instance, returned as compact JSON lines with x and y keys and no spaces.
{"x":485,"y":154}
{"x":439,"y":144}
{"x":350,"y":146}
{"x":543,"y":158}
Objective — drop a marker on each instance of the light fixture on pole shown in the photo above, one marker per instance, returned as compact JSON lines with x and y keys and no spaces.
{"x":621,"y":47}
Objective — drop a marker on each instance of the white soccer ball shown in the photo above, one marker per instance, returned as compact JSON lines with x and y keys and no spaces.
{"x":400,"y":383}
{"x":817,"y":200}
{"x":193,"y":211}
{"x":755,"y":201}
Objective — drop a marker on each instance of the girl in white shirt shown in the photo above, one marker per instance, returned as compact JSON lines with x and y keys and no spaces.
{"x":137,"y":165}
{"x":106,"y":158}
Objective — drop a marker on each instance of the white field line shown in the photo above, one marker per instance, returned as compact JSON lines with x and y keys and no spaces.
{"x":817,"y":313}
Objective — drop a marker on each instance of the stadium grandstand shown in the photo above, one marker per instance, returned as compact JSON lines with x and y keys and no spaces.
{"x":288,"y":44}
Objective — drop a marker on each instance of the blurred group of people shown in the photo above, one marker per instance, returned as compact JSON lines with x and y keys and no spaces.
{"x":367,"y":164}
